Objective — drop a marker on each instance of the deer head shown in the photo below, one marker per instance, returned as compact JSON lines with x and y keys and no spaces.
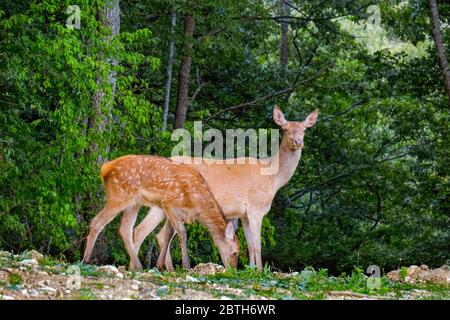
{"x":229,"y":247}
{"x":294,"y":131}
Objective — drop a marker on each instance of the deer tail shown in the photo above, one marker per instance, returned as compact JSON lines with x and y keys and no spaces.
{"x":106,"y":169}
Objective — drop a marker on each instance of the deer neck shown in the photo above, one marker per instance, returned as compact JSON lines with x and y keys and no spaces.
{"x":288,"y":161}
{"x":216,"y":225}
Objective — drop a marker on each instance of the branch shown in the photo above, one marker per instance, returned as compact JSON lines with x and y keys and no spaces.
{"x":270,"y":96}
{"x":197,"y":91}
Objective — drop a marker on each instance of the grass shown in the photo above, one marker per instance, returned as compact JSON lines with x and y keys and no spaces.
{"x":14,"y":279}
{"x":240,"y":284}
{"x":312,"y":284}
{"x":85,"y":294}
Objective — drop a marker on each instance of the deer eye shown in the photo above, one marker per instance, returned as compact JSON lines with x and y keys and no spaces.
{"x":234,"y":254}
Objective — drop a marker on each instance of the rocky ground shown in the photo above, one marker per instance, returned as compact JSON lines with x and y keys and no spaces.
{"x":33,"y":276}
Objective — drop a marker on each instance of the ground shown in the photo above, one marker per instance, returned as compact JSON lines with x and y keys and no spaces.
{"x":30,"y":275}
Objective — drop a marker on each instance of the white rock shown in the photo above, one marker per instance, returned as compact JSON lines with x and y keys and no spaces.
{"x":134,"y":287}
{"x":191,"y":279}
{"x":29,"y":262}
{"x":49,"y":289}
{"x":108,"y":269}
{"x":34,"y":293}
{"x":6,"y":297}
{"x":119,"y":275}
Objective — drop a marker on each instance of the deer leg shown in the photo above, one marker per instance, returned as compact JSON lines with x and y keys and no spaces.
{"x":151,"y":221}
{"x":109,"y":212}
{"x":255,"y":229}
{"x":168,"y":233}
{"x":178,"y":225}
{"x":160,"y":239}
{"x":126,"y":232}
{"x":249,"y":240}
{"x":181,"y":230}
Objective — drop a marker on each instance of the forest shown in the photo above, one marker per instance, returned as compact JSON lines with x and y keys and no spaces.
{"x":86,"y":81}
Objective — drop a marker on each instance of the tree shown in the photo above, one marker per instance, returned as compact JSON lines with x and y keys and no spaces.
{"x":437,"y":36}
{"x":284,"y":48}
{"x":110,"y":18}
{"x":173,"y":21}
{"x":184,"y":73}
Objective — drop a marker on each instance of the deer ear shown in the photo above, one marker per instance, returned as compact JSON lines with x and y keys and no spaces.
{"x":278,"y":116}
{"x":311,"y":119}
{"x":229,"y":231}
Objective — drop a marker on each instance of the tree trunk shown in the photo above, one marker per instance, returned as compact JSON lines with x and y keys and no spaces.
{"x":169,"y":69}
{"x":103,"y":106}
{"x":442,"y":58}
{"x":184,"y":74}
{"x":284,"y":12}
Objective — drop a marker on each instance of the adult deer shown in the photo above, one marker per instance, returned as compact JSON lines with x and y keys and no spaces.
{"x":240,"y":189}
{"x":133,"y":181}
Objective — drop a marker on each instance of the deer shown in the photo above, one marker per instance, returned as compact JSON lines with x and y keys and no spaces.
{"x":179,"y":190}
{"x":249,"y":194}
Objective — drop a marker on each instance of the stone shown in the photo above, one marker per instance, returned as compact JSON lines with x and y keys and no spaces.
{"x":191,"y":279}
{"x":36,"y":255}
{"x":49,"y":289}
{"x":29,"y":262}
{"x":111,"y":270}
{"x":208,"y":268}
{"x":34,"y":293}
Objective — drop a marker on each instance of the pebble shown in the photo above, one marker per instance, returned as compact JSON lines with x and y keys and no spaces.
{"x":108,"y":269}
{"x":29,"y":262}
{"x":36,"y":255}
{"x":49,"y":289}
{"x":34,"y":293}
{"x":191,"y":279}
{"x":43,"y":283}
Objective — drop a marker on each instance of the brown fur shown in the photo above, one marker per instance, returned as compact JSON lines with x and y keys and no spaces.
{"x":134,"y":180}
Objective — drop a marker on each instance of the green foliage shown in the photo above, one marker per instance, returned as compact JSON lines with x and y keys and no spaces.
{"x":14,"y":279}
{"x":49,"y":172}
{"x":403,"y":272}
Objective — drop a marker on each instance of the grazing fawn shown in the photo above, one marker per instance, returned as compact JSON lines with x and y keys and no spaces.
{"x":133,"y":181}
{"x":252,"y":194}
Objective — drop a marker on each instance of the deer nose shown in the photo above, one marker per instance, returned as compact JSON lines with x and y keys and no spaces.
{"x":298,"y":142}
